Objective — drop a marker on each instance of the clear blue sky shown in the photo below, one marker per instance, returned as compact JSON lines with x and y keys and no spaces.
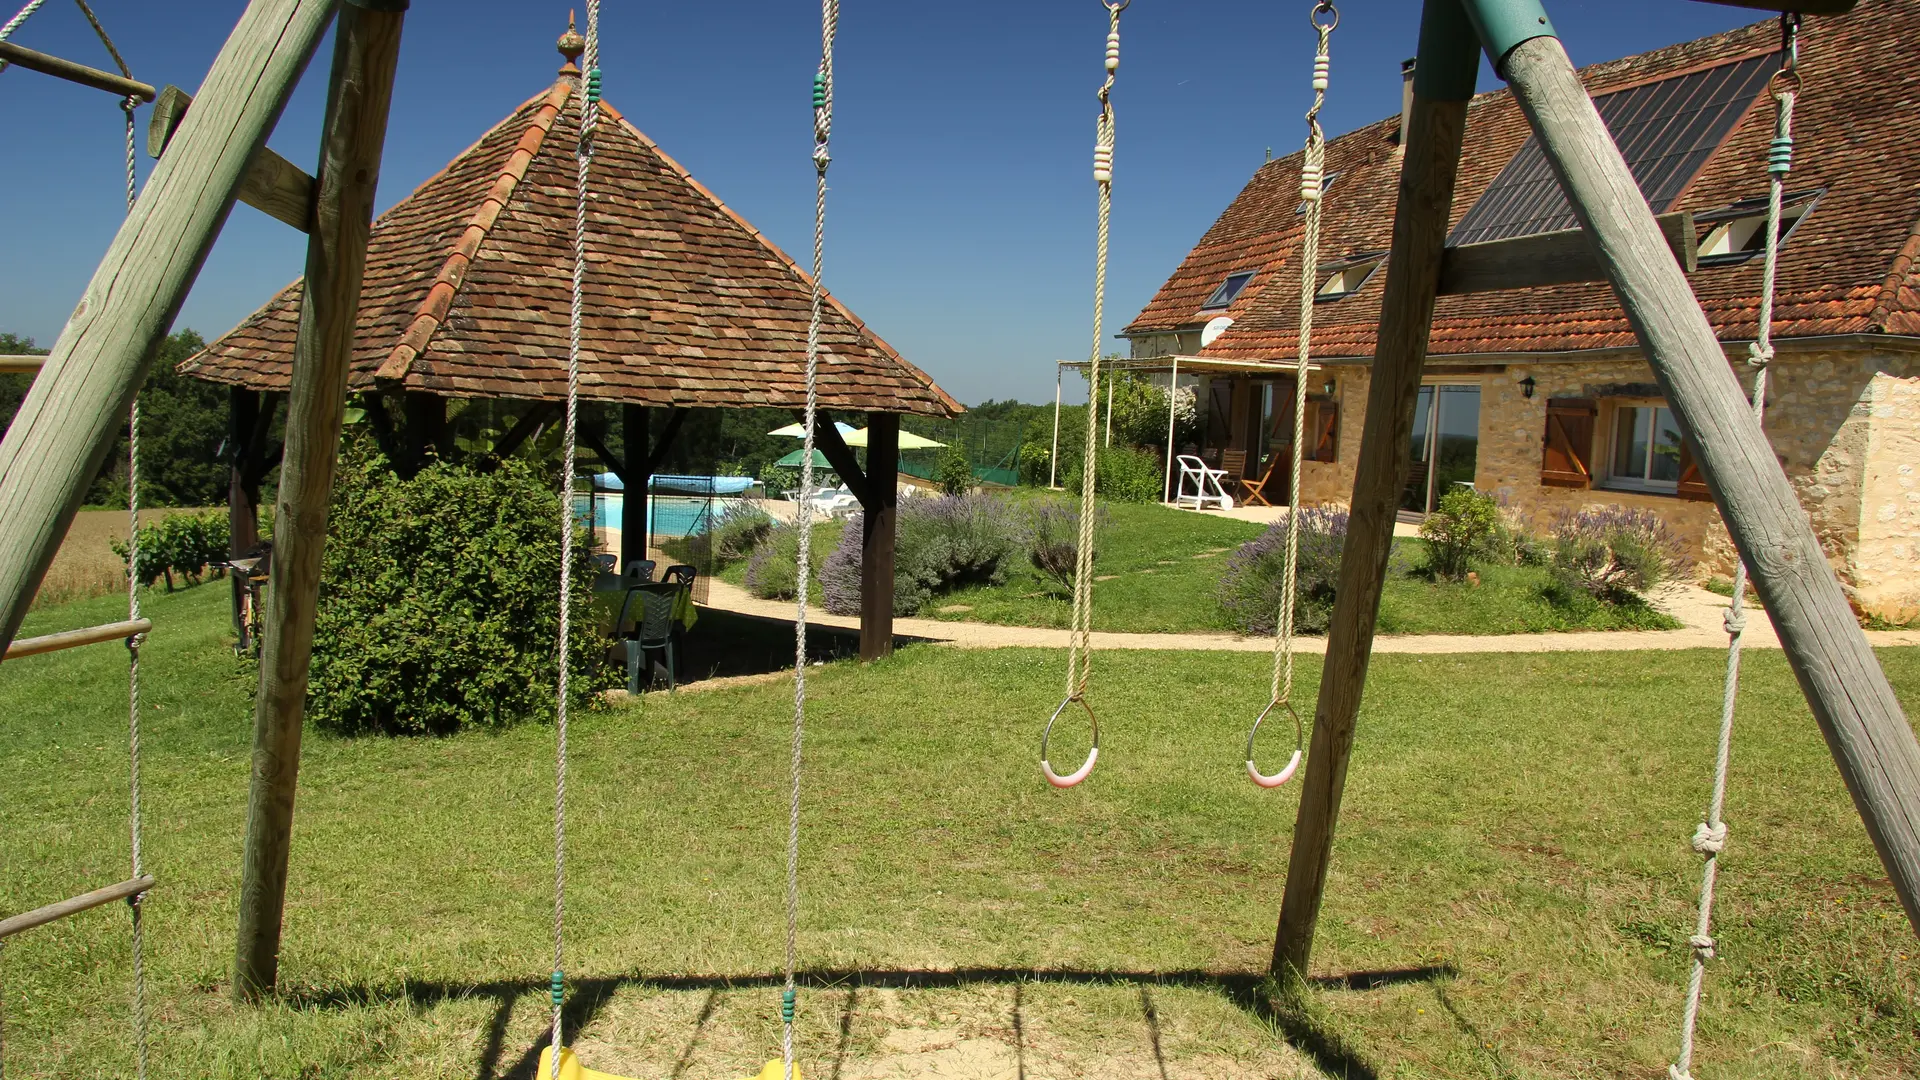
{"x":961,"y":212}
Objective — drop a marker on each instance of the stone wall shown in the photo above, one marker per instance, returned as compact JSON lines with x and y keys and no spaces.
{"x":1885,"y":567}
{"x":1845,"y":423}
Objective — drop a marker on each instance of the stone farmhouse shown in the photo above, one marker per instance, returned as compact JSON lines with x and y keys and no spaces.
{"x":1540,"y":396}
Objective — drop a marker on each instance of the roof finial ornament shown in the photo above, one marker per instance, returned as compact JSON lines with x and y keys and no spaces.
{"x":571,"y":46}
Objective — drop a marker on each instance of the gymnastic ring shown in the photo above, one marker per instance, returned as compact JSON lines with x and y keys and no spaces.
{"x":1313,"y":17}
{"x":1093,"y":754}
{"x":1299,"y":746}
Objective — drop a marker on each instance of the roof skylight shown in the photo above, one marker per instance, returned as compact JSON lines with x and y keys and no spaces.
{"x":1228,"y":292}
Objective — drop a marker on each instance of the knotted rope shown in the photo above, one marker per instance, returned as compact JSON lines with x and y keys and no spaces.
{"x":13,"y":24}
{"x":1710,"y":836}
{"x":1080,"y":635}
{"x":1079,"y":645}
{"x":822,"y":158}
{"x":1312,"y":187}
{"x":589,"y":98}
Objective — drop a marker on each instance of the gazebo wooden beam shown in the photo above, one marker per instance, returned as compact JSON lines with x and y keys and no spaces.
{"x":826,"y":438}
{"x":877,"y":536}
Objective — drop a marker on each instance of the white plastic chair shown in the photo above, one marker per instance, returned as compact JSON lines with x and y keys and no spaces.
{"x":1199,"y":485}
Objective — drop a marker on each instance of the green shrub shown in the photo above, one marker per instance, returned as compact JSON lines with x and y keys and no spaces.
{"x":1034,"y":459}
{"x":954,"y":474}
{"x":1513,"y":544}
{"x":1458,"y":531}
{"x":439,"y":604}
{"x":1124,"y":475}
{"x":1614,"y":555}
{"x":183,"y":544}
{"x":777,"y":480}
{"x":1053,"y":539}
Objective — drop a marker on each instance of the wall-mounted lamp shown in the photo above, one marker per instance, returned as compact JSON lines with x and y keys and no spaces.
{"x":1329,"y":388}
{"x":1526,"y":387}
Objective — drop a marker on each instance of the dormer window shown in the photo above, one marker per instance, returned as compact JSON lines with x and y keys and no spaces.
{"x":1228,"y":292}
{"x":1348,"y":276}
{"x":1739,"y":232}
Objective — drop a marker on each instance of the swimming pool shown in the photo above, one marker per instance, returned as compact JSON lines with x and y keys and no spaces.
{"x":669,"y":517}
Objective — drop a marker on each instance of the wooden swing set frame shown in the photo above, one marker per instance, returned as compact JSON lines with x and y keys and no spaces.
{"x":214,"y":155}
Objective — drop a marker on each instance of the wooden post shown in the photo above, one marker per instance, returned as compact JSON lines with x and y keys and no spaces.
{"x":1436,"y":125}
{"x":876,"y":536}
{"x":426,"y":428}
{"x":636,"y":428}
{"x":78,"y":403}
{"x":1865,"y":729}
{"x":366,"y":47}
{"x":243,"y":499}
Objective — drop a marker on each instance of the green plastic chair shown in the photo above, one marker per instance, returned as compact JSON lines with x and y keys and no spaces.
{"x":652,"y":630}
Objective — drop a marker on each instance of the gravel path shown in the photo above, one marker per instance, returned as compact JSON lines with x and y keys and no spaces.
{"x":1699,"y":609}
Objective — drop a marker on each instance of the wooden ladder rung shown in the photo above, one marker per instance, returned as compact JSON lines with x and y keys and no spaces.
{"x":41,"y":916}
{"x":69,"y":639}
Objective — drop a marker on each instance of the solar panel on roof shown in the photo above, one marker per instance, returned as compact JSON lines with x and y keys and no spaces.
{"x":1666,"y":130}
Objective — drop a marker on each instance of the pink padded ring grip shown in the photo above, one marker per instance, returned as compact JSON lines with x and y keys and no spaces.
{"x":1093,"y":754}
{"x":1278,"y":778}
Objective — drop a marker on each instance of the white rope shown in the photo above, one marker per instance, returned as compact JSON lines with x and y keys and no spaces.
{"x":589,"y":98}
{"x":1710,"y":836}
{"x":13,"y":24}
{"x":135,"y":901}
{"x":1080,"y":641}
{"x":803,"y":560}
{"x":1312,"y":187}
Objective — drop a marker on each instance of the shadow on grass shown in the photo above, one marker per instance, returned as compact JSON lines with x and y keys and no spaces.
{"x":1291,"y":1015}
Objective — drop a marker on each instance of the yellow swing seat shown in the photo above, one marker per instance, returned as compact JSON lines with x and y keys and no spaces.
{"x":571,"y":1069}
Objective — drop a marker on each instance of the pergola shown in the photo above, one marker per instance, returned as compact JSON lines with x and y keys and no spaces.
{"x":466,"y":296}
{"x":1170,"y":365}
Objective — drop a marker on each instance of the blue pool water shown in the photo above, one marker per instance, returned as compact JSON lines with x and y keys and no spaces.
{"x":670,"y":516}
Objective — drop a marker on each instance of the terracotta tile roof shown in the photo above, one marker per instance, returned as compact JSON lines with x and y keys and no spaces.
{"x":469,"y":280}
{"x":1853,"y":266}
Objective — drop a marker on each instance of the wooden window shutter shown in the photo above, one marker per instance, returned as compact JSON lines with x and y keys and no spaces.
{"x":1323,"y":428}
{"x":1566,"y":454}
{"x":1693,"y":485}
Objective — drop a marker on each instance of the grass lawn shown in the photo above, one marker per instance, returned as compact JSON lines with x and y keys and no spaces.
{"x":1525,"y":869}
{"x":1159,"y":571}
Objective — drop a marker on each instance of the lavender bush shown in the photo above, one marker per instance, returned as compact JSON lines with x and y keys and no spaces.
{"x":1249,"y":592}
{"x":1053,"y":538}
{"x":939,"y":544}
{"x":1615,"y":555}
{"x":770,"y":569}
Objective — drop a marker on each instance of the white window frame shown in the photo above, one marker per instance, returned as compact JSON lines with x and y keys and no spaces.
{"x":1635,"y":483}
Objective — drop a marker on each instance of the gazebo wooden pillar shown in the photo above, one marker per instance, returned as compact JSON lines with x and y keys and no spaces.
{"x":877,"y":488}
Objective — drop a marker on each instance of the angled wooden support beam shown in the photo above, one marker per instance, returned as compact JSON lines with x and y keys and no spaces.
{"x":73,"y":639}
{"x":526,"y":428}
{"x":117,"y":85}
{"x":78,"y":404}
{"x":366,"y":50}
{"x":1865,"y":728}
{"x":676,"y":419}
{"x":273,"y":185}
{"x":1566,"y":257}
{"x":41,"y":916}
{"x":21,"y":365}
{"x":1436,"y":128}
{"x":826,"y":439}
{"x":596,"y":441}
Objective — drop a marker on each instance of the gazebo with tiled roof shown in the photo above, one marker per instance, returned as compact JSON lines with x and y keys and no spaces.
{"x":467,"y":291}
